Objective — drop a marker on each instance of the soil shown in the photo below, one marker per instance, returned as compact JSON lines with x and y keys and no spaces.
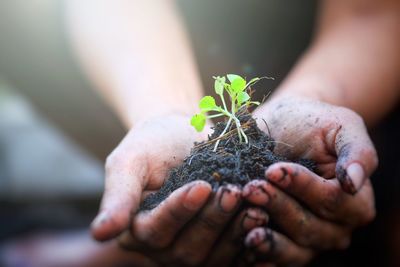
{"x":234,"y":162}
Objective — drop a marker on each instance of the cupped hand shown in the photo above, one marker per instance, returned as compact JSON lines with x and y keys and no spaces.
{"x":175,"y":234}
{"x":313,"y":211}
{"x":193,"y":226}
{"x":139,"y":165}
{"x":334,"y":137}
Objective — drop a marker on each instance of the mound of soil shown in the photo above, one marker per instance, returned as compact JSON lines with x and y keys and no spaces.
{"x":233,"y":162}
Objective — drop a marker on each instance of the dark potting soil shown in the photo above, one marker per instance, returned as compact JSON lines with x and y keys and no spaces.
{"x":234,"y":162}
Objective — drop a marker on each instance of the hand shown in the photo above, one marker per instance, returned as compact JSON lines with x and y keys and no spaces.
{"x":182,"y":229}
{"x":172,"y":234}
{"x":336,"y":139}
{"x":138,"y":166}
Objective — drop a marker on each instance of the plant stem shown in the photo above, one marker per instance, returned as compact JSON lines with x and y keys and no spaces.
{"x":246,"y":140}
{"x":223,"y":101}
{"x":240,"y":131}
{"x":233,"y":108}
{"x":215,"y":116}
{"x":228,"y":124}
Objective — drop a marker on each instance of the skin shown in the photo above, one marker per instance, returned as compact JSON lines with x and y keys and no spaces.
{"x":49,"y":250}
{"x":139,"y":164}
{"x":192,"y":245}
{"x":313,"y":112}
{"x":331,"y":91}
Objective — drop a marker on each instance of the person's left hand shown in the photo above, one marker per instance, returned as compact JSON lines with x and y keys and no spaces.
{"x":312,"y":213}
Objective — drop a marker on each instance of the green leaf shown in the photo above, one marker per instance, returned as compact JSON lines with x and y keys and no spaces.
{"x":219,"y":84}
{"x":238,"y":84}
{"x":232,"y":77}
{"x":207,"y":102}
{"x":242,"y":97}
{"x":198,"y":121}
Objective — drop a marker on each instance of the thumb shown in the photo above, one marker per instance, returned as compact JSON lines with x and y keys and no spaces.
{"x":123,"y":189}
{"x":357,"y":158}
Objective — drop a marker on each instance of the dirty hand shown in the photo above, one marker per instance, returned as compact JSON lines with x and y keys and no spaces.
{"x":139,"y":166}
{"x":185,"y":226}
{"x":335,"y":200}
{"x":176,"y":234}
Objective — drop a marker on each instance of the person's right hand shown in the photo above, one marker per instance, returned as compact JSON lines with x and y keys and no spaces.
{"x":139,"y":165}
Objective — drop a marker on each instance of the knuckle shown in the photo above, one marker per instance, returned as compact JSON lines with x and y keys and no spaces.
{"x":303,"y":234}
{"x":110,"y":161}
{"x":331,"y":203}
{"x":371,"y":155}
{"x":151,"y":237}
{"x":115,"y":160}
{"x":179,"y":217}
{"x":208,"y":223}
{"x":126,"y":242}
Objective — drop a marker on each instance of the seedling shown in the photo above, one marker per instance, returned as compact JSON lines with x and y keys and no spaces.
{"x":236,"y":89}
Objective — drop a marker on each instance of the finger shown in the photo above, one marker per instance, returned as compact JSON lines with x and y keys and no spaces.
{"x":158,"y":227}
{"x":274,"y":247}
{"x":298,"y":223}
{"x":197,"y":239}
{"x":123,"y":188}
{"x":357,"y":158}
{"x":324,"y":197}
{"x":231,"y":243}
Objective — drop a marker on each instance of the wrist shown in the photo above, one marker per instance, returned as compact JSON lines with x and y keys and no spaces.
{"x":293,"y":90}
{"x":314,"y":88}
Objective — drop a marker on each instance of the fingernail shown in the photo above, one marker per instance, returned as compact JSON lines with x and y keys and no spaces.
{"x":279,"y":176}
{"x":356,"y":173}
{"x":254,"y":218}
{"x":100,"y":219}
{"x":255,"y":237}
{"x":255,"y":192}
{"x":252,"y":186}
{"x":229,"y":198}
{"x":195,"y":197}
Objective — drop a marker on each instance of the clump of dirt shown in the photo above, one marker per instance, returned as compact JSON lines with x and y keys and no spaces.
{"x":234,"y":162}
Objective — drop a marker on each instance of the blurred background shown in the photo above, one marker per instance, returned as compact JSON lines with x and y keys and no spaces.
{"x":55,"y":132}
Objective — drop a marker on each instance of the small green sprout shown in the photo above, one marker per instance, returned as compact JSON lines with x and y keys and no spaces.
{"x":236,"y":88}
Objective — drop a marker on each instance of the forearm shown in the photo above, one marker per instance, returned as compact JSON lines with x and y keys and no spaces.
{"x":137,"y":55}
{"x":354,"y":60}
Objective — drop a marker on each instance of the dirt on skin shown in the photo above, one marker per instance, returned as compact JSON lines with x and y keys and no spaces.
{"x":234,"y":162}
